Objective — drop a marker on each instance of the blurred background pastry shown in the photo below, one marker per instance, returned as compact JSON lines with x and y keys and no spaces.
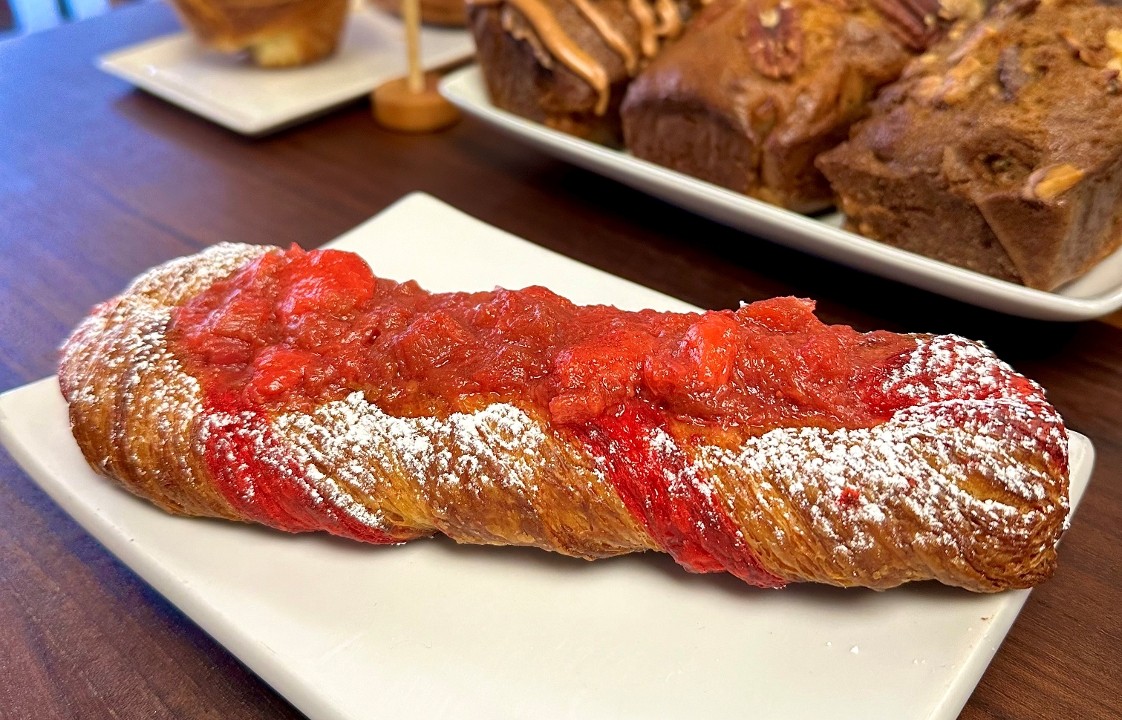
{"x":566,"y":63}
{"x":448,"y":13}
{"x":276,"y":33}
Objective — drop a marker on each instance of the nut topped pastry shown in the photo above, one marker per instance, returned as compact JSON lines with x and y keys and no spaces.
{"x":998,"y":151}
{"x":277,"y":33}
{"x":756,"y":89}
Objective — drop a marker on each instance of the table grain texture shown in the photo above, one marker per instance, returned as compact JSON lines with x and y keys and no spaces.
{"x":99,"y":181}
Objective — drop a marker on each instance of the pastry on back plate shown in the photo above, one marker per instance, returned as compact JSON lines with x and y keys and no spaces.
{"x":301,"y":391}
{"x":999,"y":152}
{"x":754,"y":90}
{"x":276,"y":33}
{"x":447,"y":13}
{"x":566,"y":63}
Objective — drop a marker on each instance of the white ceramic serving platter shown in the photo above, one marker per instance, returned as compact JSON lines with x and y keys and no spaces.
{"x":1097,"y":293}
{"x":435,"y":630}
{"x":229,"y":90}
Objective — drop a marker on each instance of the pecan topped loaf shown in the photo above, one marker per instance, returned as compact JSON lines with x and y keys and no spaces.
{"x":999,"y":152}
{"x":566,"y":63}
{"x":755,"y":89}
{"x":301,"y":391}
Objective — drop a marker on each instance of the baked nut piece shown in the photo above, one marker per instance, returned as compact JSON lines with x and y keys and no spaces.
{"x":300,"y":391}
{"x":566,"y":63}
{"x":999,"y":151}
{"x":276,"y":33}
{"x":755,"y":89}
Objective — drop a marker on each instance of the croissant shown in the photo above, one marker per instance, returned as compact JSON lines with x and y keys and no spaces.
{"x":297,"y":390}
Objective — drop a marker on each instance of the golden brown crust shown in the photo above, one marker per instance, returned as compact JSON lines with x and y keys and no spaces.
{"x":967,"y":486}
{"x":132,"y":409}
{"x":277,"y":33}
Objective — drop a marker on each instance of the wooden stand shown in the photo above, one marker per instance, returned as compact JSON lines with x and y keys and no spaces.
{"x":412,"y":103}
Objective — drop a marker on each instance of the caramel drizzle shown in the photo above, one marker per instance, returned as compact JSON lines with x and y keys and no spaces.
{"x":656,"y":20}
{"x":562,"y":46}
{"x":613,"y":37}
{"x":644,"y":15}
{"x":669,"y":19}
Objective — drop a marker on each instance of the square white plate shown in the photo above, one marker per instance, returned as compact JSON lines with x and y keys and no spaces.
{"x":435,"y":630}
{"x":230,"y":91}
{"x":1097,"y":293}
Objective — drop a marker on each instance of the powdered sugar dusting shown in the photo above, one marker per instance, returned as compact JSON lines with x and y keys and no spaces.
{"x":946,"y":476}
{"x":948,"y":367}
{"x":424,"y":462}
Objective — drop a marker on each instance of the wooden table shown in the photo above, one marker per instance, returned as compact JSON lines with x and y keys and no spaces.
{"x":98,"y":182}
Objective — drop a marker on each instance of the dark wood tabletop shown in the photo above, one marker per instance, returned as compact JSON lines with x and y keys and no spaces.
{"x":99,"y":181}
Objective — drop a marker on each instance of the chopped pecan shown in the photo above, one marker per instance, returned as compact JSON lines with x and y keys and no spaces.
{"x":972,"y":44}
{"x":1111,"y":78}
{"x":1046,"y":183}
{"x":1087,"y":54}
{"x":1113,"y":40}
{"x":1011,"y":76}
{"x":970,"y":10}
{"x":928,"y":89}
{"x":775,"y":40}
{"x":962,"y":80}
{"x":1020,"y":8}
{"x":914,"y":21}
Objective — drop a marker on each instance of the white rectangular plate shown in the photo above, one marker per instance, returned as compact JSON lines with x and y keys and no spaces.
{"x":230,"y":91}
{"x":1097,"y":293}
{"x":435,"y":630}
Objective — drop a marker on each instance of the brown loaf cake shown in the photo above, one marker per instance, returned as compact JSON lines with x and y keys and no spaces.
{"x":276,"y":33}
{"x":566,"y":63}
{"x":300,"y":391}
{"x":756,"y":89}
{"x":1000,"y":152}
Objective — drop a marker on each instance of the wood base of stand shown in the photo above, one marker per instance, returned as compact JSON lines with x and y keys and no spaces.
{"x":396,"y":107}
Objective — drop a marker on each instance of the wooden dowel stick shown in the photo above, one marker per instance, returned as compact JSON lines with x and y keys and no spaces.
{"x":411,"y":15}
{"x":413,"y":103}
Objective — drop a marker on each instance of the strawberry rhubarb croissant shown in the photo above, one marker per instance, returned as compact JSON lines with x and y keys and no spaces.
{"x":297,"y":390}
